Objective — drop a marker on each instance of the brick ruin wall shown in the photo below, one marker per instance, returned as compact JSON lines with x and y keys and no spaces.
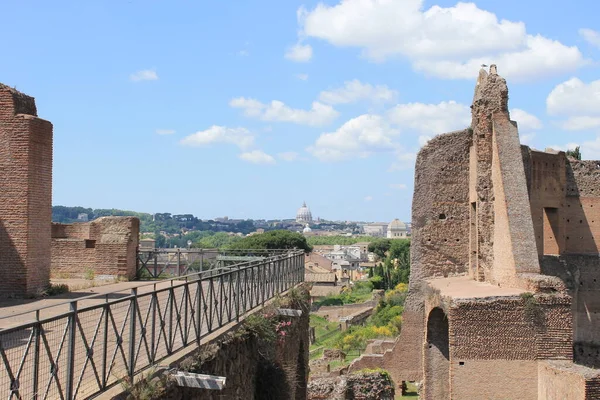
{"x":439,"y":245}
{"x":25,"y":195}
{"x":493,"y":345}
{"x":106,"y":246}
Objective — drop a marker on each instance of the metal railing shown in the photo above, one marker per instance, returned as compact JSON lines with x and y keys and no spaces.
{"x":157,"y":262}
{"x":102,"y":339}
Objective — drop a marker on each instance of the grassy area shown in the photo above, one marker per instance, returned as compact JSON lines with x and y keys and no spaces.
{"x":360,"y":292}
{"x":327,"y":334}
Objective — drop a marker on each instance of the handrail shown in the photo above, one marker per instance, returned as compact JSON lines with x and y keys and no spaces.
{"x":245,"y":264}
{"x":84,"y":350}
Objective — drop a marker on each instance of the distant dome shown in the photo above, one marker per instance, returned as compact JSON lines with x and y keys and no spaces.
{"x":396,"y":229}
{"x":303,"y":215}
{"x":307,"y":229}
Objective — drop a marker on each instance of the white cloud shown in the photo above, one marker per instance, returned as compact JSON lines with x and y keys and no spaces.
{"x":591,"y":36}
{"x":319,"y":114}
{"x":299,"y":52}
{"x":144,"y":75}
{"x":590,"y":149}
{"x":525,"y":121}
{"x":431,"y":118}
{"x":404,"y":161}
{"x":240,"y":137}
{"x":578,"y":101}
{"x":354,"y":90}
{"x":423,"y":139}
{"x":574,"y":97}
{"x":359,"y":137}
{"x":165,"y":131}
{"x":288,"y":156}
{"x":257,"y":157}
{"x":540,"y":58}
{"x":368,"y":198}
{"x":580,"y":123}
{"x":398,"y":186}
{"x":527,"y":138}
{"x":448,"y":42}
{"x":302,"y":77}
{"x":243,"y":53}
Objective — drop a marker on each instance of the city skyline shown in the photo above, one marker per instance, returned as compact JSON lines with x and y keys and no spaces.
{"x":245,"y":108}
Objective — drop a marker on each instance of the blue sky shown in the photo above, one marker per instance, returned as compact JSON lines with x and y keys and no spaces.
{"x":247,"y":108}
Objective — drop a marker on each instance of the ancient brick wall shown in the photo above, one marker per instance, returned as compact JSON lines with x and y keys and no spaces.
{"x":25,"y":195}
{"x":106,"y":246}
{"x":439,"y":245}
{"x":560,"y":380}
{"x":496,"y":343}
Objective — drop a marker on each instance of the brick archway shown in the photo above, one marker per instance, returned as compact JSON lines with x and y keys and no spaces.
{"x":437,"y":357}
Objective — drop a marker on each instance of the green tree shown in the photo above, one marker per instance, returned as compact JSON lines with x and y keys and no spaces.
{"x":380,"y":247}
{"x":280,"y":239}
{"x":575,"y":153}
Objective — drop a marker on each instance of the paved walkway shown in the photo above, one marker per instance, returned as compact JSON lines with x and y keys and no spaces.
{"x":18,"y":311}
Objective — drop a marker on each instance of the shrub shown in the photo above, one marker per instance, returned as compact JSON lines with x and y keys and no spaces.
{"x":89,"y":274}
{"x":55,"y":289}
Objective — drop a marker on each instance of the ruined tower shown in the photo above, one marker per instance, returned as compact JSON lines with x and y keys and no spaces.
{"x":505,"y":267}
{"x":25,"y":195}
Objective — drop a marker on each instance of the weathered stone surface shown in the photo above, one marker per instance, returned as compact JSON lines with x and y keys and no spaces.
{"x":25,"y":195}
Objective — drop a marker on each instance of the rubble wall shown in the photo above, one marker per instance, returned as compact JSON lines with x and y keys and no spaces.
{"x":25,"y":195}
{"x":439,"y":245}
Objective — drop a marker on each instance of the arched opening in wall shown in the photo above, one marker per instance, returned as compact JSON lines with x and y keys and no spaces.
{"x":437,"y":356}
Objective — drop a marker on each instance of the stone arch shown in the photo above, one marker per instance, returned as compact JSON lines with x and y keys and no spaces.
{"x":437,"y":356}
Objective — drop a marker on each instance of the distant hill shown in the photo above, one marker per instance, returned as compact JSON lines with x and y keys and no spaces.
{"x":159,"y":222}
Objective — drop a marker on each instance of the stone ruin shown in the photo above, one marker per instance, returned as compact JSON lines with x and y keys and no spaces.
{"x":30,"y":246}
{"x":504,"y":293}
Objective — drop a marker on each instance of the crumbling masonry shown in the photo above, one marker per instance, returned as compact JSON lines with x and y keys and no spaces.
{"x":25,"y":195}
{"x":31,"y":247}
{"x":504,"y":294}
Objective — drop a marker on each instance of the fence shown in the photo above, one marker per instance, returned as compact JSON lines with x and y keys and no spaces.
{"x":155,"y":263}
{"x":83,"y":351}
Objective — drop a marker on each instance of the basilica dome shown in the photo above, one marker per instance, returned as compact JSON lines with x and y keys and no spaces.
{"x":307,"y":229}
{"x":303,"y":215}
{"x":396,"y":229}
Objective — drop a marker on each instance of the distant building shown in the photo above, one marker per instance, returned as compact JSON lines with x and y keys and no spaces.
{"x":83,"y":217}
{"x":376,"y":229}
{"x":307,"y":229}
{"x":397,"y":229}
{"x":304,"y":216}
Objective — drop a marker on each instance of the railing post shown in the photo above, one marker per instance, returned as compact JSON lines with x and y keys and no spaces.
{"x":72,"y":320}
{"x":105,"y":346}
{"x":132,"y":317}
{"x":238,"y":296}
{"x":199,"y":309}
{"x":36,"y":354}
{"x":178,"y":261}
{"x":153,"y":300}
{"x":186,"y":298}
{"x":171,"y":295}
{"x":155,"y":264}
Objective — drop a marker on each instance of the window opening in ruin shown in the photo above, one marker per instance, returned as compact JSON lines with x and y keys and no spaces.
{"x":90,"y":244}
{"x":442,"y":216}
{"x":550,"y":244}
{"x":461,"y":363}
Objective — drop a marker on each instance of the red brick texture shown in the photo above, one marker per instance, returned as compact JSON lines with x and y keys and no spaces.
{"x":25,"y":195}
{"x":106,"y":246}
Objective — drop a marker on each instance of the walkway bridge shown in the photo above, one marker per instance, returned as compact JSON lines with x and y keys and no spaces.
{"x":80,"y":348}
